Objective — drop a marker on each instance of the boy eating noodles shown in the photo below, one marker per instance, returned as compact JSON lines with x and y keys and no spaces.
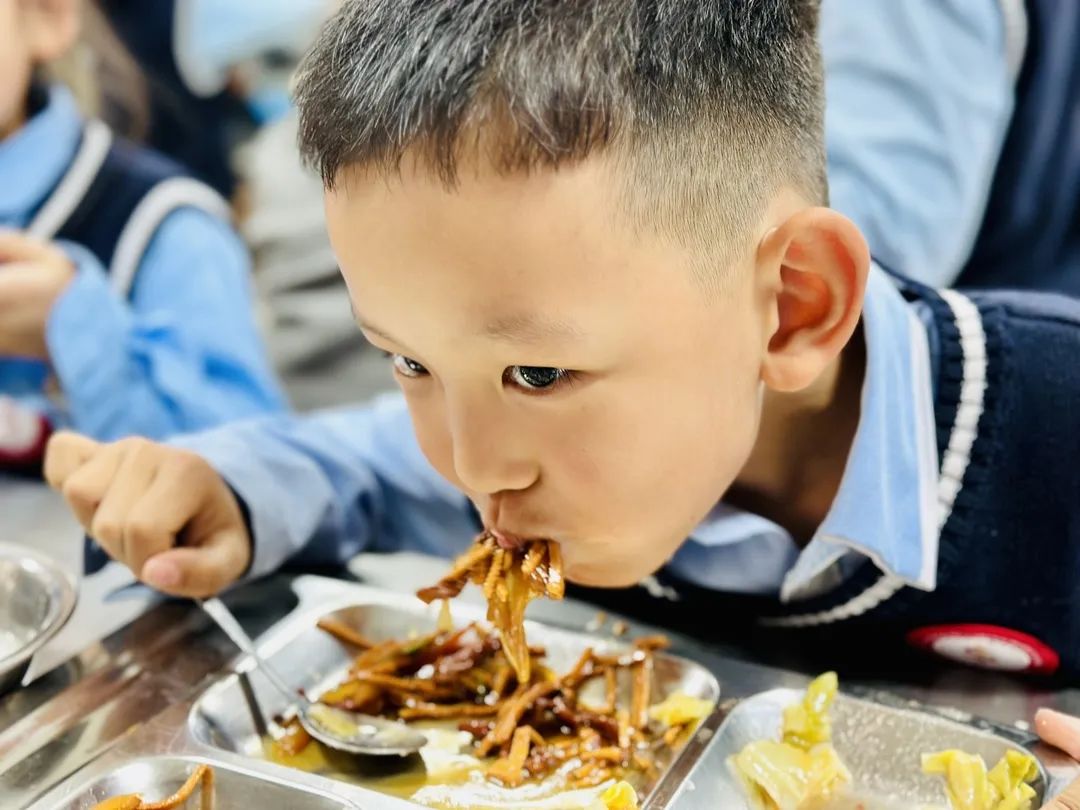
{"x":593,"y":238}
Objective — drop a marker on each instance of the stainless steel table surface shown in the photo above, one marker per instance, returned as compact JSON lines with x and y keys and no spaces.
{"x":123,"y":659}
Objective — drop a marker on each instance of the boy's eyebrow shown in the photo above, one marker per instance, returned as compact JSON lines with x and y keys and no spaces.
{"x":530,"y":328}
{"x":520,"y":328}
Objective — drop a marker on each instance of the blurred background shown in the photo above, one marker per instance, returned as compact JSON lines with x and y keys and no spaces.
{"x":952,"y":135}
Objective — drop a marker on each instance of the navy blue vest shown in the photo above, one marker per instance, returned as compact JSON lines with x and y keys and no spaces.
{"x":1008,"y":577}
{"x":1030,"y":235}
{"x":125,"y":177}
{"x":113,"y":197}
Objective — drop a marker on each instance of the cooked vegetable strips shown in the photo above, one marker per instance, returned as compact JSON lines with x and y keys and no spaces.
{"x":803,"y":769}
{"x":970,"y":787}
{"x":510,"y":578}
{"x":202,"y":773}
{"x":531,"y":729}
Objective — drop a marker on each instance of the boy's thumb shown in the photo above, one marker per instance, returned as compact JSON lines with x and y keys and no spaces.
{"x":199,"y":571}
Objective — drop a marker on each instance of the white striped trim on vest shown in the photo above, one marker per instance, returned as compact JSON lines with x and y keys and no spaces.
{"x":71,"y":189}
{"x":954,"y":462}
{"x":159,"y":202}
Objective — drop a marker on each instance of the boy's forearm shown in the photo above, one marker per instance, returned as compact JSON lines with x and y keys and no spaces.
{"x":321,"y":488}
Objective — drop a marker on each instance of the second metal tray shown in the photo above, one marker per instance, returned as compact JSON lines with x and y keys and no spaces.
{"x":154,"y":778}
{"x":881,"y":745}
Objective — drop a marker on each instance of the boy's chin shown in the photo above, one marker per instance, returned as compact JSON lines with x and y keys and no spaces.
{"x":605,"y":575}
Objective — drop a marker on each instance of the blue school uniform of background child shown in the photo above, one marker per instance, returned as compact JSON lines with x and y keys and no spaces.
{"x":155,"y":333}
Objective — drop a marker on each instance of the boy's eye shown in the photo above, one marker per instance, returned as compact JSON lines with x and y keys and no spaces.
{"x":535,"y":377}
{"x":407,"y":367}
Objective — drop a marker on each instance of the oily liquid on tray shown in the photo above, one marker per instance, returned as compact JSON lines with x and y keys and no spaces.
{"x":406,"y":776}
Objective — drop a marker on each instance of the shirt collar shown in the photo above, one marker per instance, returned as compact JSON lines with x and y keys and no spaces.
{"x":33,"y":159}
{"x":886,"y":507}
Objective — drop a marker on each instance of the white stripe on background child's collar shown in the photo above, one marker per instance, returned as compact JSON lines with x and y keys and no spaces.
{"x":885,"y":509}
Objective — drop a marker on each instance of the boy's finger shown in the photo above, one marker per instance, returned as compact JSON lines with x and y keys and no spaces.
{"x":111,"y":525}
{"x":161,"y":513}
{"x":85,"y":488}
{"x":200,"y":571}
{"x":65,"y":453}
{"x":1059,"y":730}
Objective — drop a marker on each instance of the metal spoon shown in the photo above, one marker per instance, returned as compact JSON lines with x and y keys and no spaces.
{"x":344,"y":730}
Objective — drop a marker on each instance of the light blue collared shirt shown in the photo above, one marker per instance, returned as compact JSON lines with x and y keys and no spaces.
{"x":324,"y":487}
{"x":182,"y":353}
{"x":885,"y":508}
{"x":919,"y":97}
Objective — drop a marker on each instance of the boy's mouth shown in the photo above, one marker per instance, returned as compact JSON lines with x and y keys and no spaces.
{"x":506,"y":540}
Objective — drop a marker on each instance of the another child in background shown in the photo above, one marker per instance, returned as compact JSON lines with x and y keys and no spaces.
{"x":124,"y":292}
{"x":952,"y":137}
{"x":207,"y":62}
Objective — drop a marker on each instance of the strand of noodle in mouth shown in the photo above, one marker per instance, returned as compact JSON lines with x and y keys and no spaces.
{"x":510,"y":578}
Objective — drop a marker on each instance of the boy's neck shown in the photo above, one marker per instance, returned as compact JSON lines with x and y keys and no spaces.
{"x":797,"y":463}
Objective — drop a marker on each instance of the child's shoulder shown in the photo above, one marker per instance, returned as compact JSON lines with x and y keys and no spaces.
{"x":119,"y":194}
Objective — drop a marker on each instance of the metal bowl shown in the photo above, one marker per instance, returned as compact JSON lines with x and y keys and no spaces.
{"x":36,"y":599}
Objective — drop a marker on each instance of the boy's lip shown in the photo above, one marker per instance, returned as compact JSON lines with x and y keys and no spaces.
{"x":506,"y":540}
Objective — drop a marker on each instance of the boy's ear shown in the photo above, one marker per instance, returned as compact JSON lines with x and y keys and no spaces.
{"x":53,"y":28}
{"x":823,"y":261}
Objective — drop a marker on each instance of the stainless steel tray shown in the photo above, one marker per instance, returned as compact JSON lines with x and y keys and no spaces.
{"x":234,"y":714}
{"x":223,"y":726}
{"x":882,"y":746}
{"x":36,"y":599}
{"x":154,"y":778}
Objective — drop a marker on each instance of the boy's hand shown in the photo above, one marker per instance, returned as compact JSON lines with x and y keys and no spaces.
{"x":163,"y":512}
{"x":1061,"y":731}
{"x":33,"y":274}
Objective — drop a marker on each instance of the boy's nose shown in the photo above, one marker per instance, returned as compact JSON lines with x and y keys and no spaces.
{"x":489,"y":455}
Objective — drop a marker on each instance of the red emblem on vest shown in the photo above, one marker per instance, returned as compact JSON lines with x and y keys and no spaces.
{"x":987,"y":646}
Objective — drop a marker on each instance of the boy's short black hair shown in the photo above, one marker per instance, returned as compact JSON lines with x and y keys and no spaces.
{"x":709,"y":105}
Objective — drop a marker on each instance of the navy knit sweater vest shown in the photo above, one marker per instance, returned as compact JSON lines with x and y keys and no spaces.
{"x":113,"y":197}
{"x":1007,"y":408}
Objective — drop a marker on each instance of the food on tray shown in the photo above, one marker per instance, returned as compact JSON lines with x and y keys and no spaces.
{"x":970,"y":787}
{"x":203,"y":774}
{"x":517,"y":731}
{"x":511,"y":578}
{"x":802,"y":769}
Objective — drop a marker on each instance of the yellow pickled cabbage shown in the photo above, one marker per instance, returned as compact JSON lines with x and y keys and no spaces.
{"x":803,"y":769}
{"x":781,"y":776}
{"x":679,"y":708}
{"x":620,"y":796}
{"x":807,"y":724}
{"x":970,"y":787}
